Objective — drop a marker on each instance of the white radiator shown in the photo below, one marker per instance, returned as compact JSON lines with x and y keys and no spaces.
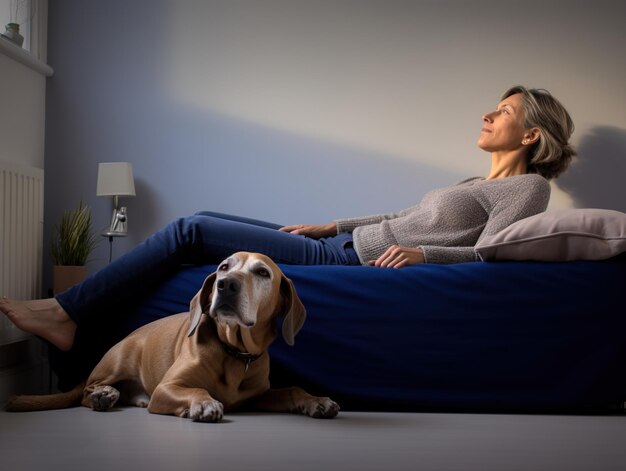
{"x":21,"y":237}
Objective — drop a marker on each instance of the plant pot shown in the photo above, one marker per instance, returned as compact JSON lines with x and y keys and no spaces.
{"x":66,"y":276}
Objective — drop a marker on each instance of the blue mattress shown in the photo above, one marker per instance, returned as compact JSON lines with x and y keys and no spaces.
{"x":515,"y":336}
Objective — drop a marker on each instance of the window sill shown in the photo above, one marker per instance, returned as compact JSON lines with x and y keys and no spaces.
{"x":17,"y":53}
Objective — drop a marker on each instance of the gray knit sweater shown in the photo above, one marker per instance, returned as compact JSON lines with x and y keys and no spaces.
{"x":448,"y":222}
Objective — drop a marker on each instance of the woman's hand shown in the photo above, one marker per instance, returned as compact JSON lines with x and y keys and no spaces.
{"x":397,"y":257}
{"x":315,"y":231}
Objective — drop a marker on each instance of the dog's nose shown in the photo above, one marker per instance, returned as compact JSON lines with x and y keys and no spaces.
{"x":228,"y":286}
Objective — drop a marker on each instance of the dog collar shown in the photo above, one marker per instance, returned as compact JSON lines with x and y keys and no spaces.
{"x":247,"y":358}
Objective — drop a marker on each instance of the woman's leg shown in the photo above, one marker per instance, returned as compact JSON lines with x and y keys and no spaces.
{"x":196,"y":239}
{"x":231,"y":217}
{"x":43,"y":317}
{"x":55,"y":320}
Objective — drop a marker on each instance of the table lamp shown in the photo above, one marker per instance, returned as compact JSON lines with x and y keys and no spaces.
{"x":116,"y":179}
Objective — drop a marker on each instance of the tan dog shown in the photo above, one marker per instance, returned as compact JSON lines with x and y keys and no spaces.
{"x":198,"y":366}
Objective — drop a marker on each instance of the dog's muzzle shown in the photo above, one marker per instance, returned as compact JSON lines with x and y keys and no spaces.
{"x":227,"y":300}
{"x":227,"y":292}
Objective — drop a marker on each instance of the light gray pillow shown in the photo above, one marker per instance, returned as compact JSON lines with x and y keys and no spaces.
{"x":559,"y":235}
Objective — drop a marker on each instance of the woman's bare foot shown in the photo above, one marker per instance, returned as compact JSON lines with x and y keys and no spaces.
{"x":42,"y":317}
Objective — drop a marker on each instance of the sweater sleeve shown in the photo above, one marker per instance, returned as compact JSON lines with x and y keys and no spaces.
{"x":448,"y":255}
{"x":350,"y":224}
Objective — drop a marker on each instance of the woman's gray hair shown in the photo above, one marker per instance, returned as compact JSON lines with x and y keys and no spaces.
{"x":552,"y":153}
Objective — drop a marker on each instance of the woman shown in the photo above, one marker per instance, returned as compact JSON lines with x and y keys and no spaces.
{"x":527,"y":136}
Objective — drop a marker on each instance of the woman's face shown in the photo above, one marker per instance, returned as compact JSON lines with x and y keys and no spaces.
{"x":503,"y":129}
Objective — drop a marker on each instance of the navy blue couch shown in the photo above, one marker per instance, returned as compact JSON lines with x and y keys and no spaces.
{"x":515,"y":336}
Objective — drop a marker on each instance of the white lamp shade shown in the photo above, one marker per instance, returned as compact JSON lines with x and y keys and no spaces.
{"x":115,"y":179}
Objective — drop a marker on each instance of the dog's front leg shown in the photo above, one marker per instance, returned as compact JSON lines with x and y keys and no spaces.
{"x":295,"y":400}
{"x":193,"y":403}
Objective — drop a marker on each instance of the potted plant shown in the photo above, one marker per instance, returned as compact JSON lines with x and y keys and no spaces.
{"x":72,"y":243}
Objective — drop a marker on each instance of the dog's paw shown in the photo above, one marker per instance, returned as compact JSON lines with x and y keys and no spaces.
{"x":321,"y":408}
{"x":206,"y":411}
{"x":104,"y":398}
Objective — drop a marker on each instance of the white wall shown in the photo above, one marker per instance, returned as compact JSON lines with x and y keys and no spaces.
{"x":22,"y":129}
{"x":304,"y":111}
{"x":405,"y":79}
{"x":22,"y":114}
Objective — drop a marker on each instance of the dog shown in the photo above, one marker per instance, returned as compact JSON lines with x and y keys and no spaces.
{"x":208,"y":361}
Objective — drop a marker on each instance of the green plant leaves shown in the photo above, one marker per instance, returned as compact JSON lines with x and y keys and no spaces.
{"x":73,"y":239}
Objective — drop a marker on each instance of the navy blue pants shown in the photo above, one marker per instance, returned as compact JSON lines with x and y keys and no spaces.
{"x":200,"y":239}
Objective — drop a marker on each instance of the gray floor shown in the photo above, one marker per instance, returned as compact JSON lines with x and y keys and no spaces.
{"x":130,"y":438}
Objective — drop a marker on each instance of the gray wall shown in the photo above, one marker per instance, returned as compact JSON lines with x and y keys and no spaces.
{"x":304,"y":111}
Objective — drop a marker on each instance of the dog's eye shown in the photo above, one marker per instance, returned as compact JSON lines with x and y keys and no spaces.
{"x":223,"y":267}
{"x":263,"y":272}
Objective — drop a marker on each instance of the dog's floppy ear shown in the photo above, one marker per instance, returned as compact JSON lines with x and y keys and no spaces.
{"x":295,"y":313}
{"x":199,"y":302}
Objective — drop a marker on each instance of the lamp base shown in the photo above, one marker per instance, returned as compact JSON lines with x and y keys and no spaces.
{"x":114,"y":234}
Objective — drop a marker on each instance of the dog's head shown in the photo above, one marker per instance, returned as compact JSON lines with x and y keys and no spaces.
{"x":248,"y":289}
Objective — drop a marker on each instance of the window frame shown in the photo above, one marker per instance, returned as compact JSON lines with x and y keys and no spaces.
{"x":37,"y":56}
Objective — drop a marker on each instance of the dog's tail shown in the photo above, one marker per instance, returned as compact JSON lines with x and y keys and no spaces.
{"x":25,"y":403}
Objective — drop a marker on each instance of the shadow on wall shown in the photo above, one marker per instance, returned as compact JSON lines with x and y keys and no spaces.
{"x":202,"y":160}
{"x":596,"y":178}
